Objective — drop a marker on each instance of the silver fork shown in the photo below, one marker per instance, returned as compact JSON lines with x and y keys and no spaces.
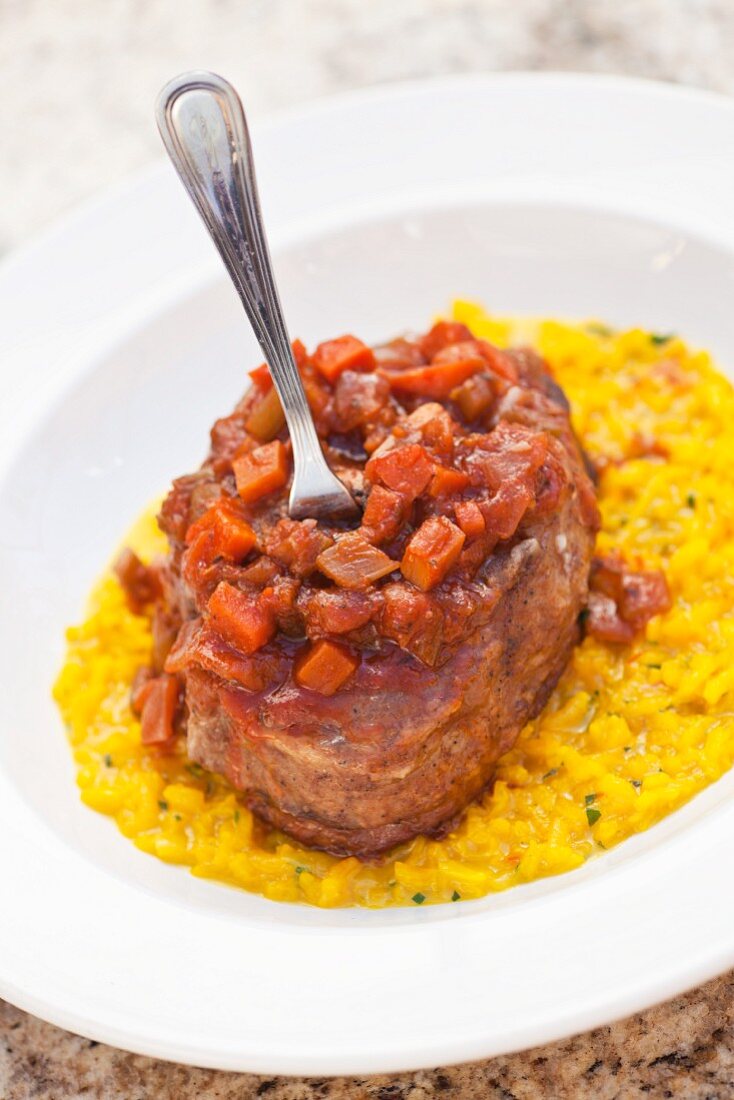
{"x":203,"y":126}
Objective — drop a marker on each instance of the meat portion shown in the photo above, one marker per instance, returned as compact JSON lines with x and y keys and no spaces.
{"x":358,"y":685}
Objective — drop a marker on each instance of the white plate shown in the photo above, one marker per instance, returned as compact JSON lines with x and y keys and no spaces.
{"x":552,"y":194}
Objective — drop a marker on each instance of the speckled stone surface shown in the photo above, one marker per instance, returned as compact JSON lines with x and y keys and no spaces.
{"x":77,"y":79}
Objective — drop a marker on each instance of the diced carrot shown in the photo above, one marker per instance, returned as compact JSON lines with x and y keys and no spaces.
{"x":344,"y":353}
{"x":442,"y":335}
{"x":324,"y":667}
{"x":470,"y":519}
{"x":243,"y":618}
{"x":448,"y":369}
{"x":267,"y":418}
{"x":431,"y":552}
{"x":230,"y":536}
{"x":406,"y":470}
{"x":474,"y":396}
{"x":262,"y":377}
{"x":447,"y":481}
{"x":159,"y":710}
{"x":353,"y":563}
{"x":261,"y":471}
{"x":383,"y":514}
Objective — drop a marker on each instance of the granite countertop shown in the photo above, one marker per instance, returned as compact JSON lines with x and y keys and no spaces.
{"x":82,"y":121}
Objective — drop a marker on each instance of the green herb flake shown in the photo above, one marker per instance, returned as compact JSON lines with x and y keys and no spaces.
{"x":691,"y":500}
{"x":237,"y":817}
{"x":177,"y":817}
{"x":592,"y":815}
{"x":419,"y":898}
{"x":162,"y":804}
{"x":195,"y":769}
{"x":552,"y":772}
{"x":660,"y":338}
{"x":589,"y":799}
{"x":456,"y":896}
{"x":636,"y":783}
{"x":107,"y":760}
{"x":300,"y":870}
{"x":653,"y":666}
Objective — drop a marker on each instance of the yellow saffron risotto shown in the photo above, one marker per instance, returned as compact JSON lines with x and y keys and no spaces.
{"x":629,"y":734}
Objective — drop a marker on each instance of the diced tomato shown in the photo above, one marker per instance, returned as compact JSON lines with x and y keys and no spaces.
{"x":261,"y":573}
{"x":501,"y":362}
{"x":636,"y":595}
{"x":399,"y":353}
{"x":159,"y":710}
{"x":474,"y":396}
{"x":163,"y":629}
{"x":228,"y":434}
{"x":230,"y":535}
{"x":358,"y":398}
{"x":442,"y":335}
{"x":203,"y":646}
{"x":140,"y":688}
{"x":447,"y":370}
{"x":324,"y":667}
{"x":404,"y":469}
{"x":297,"y":544}
{"x":280,"y":599}
{"x":469,"y":518}
{"x":431,"y":552}
{"x":604,"y":620}
{"x":383,"y":514}
{"x":412,"y":620}
{"x":645,"y":593}
{"x":435,"y":426}
{"x":267,"y":418}
{"x":139,"y":582}
{"x":337,"y":611}
{"x":446,"y":481}
{"x":354,"y":563}
{"x":241,"y":617}
{"x":345,"y":353}
{"x":261,"y":471}
{"x":503,"y":513}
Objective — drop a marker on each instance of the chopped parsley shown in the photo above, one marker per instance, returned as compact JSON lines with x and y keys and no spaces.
{"x":552,"y":772}
{"x":456,"y":896}
{"x":653,"y":666}
{"x":592,"y":815}
{"x":597,"y":329}
{"x":419,"y":898}
{"x":637,"y":783}
{"x":300,"y":870}
{"x":162,"y":804}
{"x":195,"y":769}
{"x":177,"y":817}
{"x":589,"y":799}
{"x":691,"y":500}
{"x":658,"y":338}
{"x":107,"y":760}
